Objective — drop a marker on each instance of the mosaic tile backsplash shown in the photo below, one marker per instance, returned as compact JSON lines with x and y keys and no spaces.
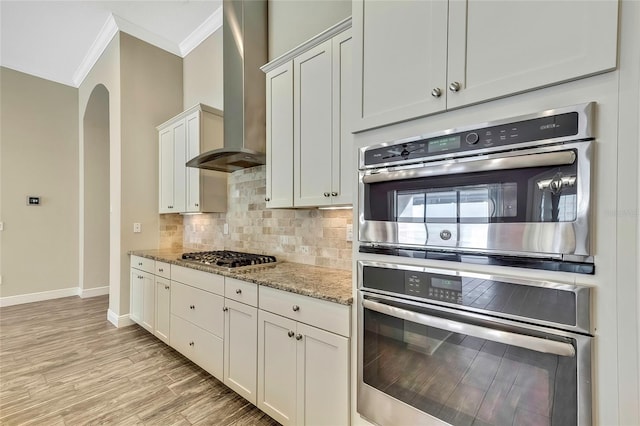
{"x":309,"y":236}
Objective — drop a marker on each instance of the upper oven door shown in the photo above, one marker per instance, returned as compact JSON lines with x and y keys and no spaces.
{"x":533,"y":202}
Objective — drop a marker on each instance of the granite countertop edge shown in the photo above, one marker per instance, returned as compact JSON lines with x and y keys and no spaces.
{"x":259,"y":275}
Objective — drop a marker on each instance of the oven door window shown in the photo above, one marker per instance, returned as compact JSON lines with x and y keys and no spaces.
{"x":535,"y":194}
{"x":464,"y":380}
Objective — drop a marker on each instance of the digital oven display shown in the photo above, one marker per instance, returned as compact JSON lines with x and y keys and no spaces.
{"x":446,"y":284}
{"x":443,"y":144}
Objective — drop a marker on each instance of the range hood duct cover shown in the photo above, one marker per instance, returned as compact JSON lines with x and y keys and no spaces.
{"x":244,"y":26}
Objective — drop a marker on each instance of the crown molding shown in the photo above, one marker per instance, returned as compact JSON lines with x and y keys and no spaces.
{"x":106,"y":34}
{"x":146,"y":36}
{"x":212,"y":24}
{"x":47,"y":77}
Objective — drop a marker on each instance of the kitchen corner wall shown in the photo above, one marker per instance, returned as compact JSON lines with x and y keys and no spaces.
{"x":309,"y":236}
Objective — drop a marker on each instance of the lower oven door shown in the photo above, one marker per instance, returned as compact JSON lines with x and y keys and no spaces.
{"x":422,"y":364}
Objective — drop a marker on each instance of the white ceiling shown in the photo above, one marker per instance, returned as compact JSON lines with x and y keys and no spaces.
{"x":62,"y":40}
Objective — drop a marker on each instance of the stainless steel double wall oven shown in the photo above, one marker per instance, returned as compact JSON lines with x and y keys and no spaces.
{"x":441,"y":345}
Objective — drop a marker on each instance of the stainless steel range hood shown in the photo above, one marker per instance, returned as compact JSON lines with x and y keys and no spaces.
{"x":244,"y":29}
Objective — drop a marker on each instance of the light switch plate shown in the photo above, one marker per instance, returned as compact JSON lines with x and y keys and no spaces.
{"x":225,"y":229}
{"x":350,"y":232}
{"x":137,"y":227}
{"x":1,"y":226}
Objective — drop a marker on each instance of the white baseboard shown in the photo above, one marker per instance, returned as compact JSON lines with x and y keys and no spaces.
{"x":93,"y":292}
{"x":53,"y":294}
{"x":119,"y":321}
{"x":38,"y":297}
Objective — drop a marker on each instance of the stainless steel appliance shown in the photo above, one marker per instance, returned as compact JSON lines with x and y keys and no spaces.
{"x":228,"y":258}
{"x":463,"y":348}
{"x":518,"y":187}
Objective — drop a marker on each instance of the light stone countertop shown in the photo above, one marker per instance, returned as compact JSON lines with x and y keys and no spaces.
{"x":329,"y":284}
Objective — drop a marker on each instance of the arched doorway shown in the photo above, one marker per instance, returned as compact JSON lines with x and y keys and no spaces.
{"x":96,"y":207}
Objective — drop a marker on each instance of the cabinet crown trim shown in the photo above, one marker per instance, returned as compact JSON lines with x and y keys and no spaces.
{"x":183,"y":114}
{"x":341,"y":26}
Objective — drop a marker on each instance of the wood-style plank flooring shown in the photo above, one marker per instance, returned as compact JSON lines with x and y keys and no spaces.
{"x":63,"y":363}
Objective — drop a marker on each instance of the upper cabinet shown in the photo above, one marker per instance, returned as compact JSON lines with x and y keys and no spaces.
{"x":186,"y":189}
{"x":309,"y":141}
{"x":417,"y":58}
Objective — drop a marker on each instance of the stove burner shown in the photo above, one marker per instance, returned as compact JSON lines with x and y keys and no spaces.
{"x":228,"y":259}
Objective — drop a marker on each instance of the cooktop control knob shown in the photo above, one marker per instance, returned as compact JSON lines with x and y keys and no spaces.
{"x":472,"y":138}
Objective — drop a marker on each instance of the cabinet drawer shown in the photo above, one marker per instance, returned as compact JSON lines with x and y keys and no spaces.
{"x":163,"y":269}
{"x":144,"y":264}
{"x":242,"y":291}
{"x":319,"y":313}
{"x":200,"y":346}
{"x":202,"y":308}
{"x":203,"y":280}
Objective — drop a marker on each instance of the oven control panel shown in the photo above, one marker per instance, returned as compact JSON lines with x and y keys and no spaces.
{"x":505,"y":134}
{"x":423,"y":285}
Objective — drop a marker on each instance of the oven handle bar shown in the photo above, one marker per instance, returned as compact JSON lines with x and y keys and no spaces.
{"x":473,"y":166}
{"x":499,"y":336}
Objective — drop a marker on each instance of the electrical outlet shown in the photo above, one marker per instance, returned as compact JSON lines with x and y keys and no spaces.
{"x":137,"y":227}
{"x":225,"y":229}
{"x":350,"y":232}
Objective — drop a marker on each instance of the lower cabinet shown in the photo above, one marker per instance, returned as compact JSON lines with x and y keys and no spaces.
{"x":303,"y":372}
{"x":240,"y":348}
{"x":162,"y":326}
{"x":142,"y":298}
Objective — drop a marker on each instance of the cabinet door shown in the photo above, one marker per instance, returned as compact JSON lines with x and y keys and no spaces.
{"x":163,"y":309}
{"x":241,"y":349}
{"x":192,"y":145}
{"x":280,"y":136}
{"x":148,"y":301}
{"x":137,"y":292}
{"x":312,"y":126}
{"x":323,"y":377}
{"x":400,"y":54}
{"x":166,"y":195}
{"x":343,"y":166}
{"x":502,"y":48}
{"x":180,"y":172}
{"x":277,"y":367}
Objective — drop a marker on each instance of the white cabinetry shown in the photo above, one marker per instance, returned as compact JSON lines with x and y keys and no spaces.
{"x":162,"y":326}
{"x":418,"y":58}
{"x":309,"y":142}
{"x":185,"y":189}
{"x":241,"y":337}
{"x":197,"y":317}
{"x":303,"y":359}
{"x":142,"y":288}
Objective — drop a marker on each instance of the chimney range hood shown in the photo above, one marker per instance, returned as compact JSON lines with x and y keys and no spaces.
{"x":244,"y":26}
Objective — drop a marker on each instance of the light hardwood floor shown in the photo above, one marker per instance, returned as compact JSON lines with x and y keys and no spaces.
{"x":63,"y":363}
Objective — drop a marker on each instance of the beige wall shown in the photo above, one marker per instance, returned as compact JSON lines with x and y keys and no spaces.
{"x":294,"y":22}
{"x":151,"y":93}
{"x":202,"y":70}
{"x":95,"y":210}
{"x":39,"y":156}
{"x":106,"y":72}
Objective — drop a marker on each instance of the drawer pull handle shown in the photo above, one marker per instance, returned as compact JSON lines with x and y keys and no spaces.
{"x":298,"y":336}
{"x":296,"y":308}
{"x":139,"y":263}
{"x":334,"y":194}
{"x":238,"y":291}
{"x":191,"y":344}
{"x":225,"y":309}
{"x":166,"y":287}
{"x":192,"y":306}
{"x":290,"y":333}
{"x":161,"y":270}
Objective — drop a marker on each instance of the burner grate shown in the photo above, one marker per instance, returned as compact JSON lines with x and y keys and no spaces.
{"x":228,"y":259}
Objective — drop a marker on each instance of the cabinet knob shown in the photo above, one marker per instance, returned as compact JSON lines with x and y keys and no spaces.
{"x":290,"y":333}
{"x":267,"y":199}
{"x":225,"y":309}
{"x":436,"y":93}
{"x":238,"y":291}
{"x":139,"y":277}
{"x":455,"y":86}
{"x":191,"y":343}
{"x":326,"y":194}
{"x":166,"y":287}
{"x":161,"y":270}
{"x":298,"y":336}
{"x":139,"y":263}
{"x":296,"y":308}
{"x":192,"y":306}
{"x":197,"y":205}
{"x":334,"y":194}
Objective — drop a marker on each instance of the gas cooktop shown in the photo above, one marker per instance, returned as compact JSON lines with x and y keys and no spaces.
{"x":227,"y":258}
